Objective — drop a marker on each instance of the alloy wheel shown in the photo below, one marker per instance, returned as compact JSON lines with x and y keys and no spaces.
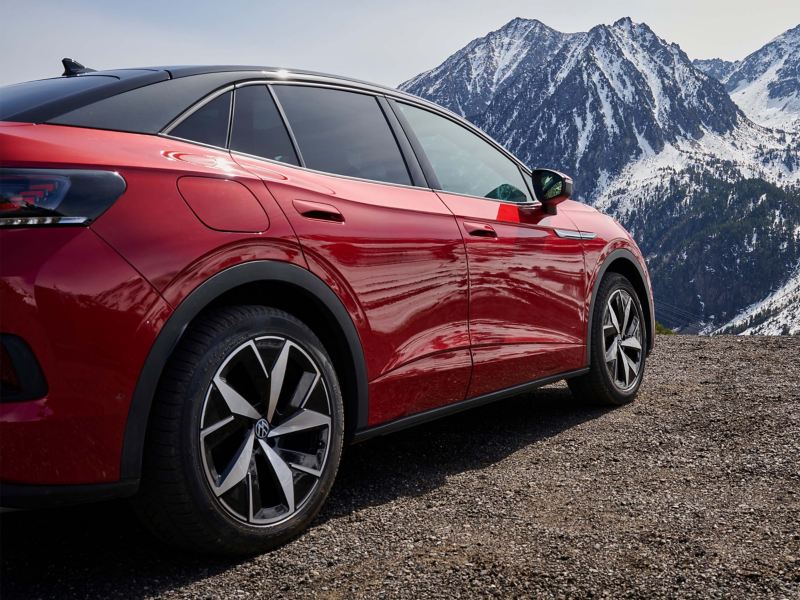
{"x":265,"y":430}
{"x":622,"y":340}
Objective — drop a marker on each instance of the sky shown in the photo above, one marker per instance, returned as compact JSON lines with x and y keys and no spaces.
{"x":383,"y":42}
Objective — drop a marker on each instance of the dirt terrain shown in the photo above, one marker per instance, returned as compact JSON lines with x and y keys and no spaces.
{"x":693,"y":491}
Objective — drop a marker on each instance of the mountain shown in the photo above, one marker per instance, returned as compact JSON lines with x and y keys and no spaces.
{"x":468,"y":80}
{"x":717,"y":68}
{"x":777,"y":314}
{"x":766,"y":84}
{"x":587,"y":103}
{"x":653,"y":139}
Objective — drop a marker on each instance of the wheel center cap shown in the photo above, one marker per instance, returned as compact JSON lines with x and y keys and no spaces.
{"x":262,"y":429}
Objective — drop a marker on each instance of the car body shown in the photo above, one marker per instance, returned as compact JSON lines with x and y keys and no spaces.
{"x":428,"y":299}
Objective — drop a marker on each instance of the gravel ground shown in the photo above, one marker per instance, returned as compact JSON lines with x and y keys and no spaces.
{"x":692,"y":491}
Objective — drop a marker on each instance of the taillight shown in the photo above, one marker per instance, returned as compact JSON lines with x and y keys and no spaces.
{"x":35,"y":197}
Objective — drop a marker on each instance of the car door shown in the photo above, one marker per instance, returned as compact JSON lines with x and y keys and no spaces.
{"x":526,"y":279}
{"x":391,"y":250}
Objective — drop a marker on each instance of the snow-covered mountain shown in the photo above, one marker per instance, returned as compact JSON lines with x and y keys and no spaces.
{"x":766,"y":84}
{"x":777,"y":314}
{"x":717,"y":68}
{"x":469,"y":80}
{"x":653,"y":139}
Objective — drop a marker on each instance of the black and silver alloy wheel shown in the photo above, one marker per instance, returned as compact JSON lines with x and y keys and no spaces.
{"x":265,"y":431}
{"x":245,"y":434}
{"x":617,"y":345}
{"x":622,"y":340}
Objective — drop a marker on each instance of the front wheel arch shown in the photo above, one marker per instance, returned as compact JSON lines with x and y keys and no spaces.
{"x":625,"y":263}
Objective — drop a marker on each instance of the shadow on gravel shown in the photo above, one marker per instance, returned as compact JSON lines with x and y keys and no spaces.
{"x":101,"y":550}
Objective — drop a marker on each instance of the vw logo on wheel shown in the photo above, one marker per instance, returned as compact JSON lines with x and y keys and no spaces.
{"x":262,"y":429}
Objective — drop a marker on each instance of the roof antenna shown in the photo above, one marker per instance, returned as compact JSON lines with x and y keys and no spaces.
{"x":73,"y":67}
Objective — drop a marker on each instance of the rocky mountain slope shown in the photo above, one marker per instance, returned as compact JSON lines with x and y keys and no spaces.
{"x":766,"y":84}
{"x":655,"y":140}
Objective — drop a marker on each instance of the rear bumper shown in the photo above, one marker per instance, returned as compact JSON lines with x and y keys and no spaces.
{"x":14,"y":495}
{"x":89,"y":319}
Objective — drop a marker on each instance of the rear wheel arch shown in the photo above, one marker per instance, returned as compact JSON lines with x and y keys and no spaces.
{"x":270,"y":283}
{"x":624,"y":262}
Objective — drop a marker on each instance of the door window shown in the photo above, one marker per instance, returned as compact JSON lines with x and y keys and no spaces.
{"x":342,"y":132}
{"x":463,"y":162}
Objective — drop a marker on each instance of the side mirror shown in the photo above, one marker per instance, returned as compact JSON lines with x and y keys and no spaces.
{"x":551,"y":188}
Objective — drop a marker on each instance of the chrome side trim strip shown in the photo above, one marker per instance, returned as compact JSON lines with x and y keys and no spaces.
{"x":575,"y":235}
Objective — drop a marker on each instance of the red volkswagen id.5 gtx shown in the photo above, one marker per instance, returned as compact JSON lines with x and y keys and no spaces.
{"x":213,"y":277}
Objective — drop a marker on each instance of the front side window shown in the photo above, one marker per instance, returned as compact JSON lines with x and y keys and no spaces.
{"x":208,"y":124}
{"x":462,"y":161}
{"x":342,"y":132}
{"x":258,"y":128}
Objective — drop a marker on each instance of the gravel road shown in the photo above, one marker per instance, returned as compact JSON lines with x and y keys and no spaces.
{"x":692,"y":491}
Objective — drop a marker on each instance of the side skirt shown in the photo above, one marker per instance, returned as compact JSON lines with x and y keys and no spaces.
{"x":457,"y":407}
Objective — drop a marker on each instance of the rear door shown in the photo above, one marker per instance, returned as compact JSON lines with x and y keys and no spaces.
{"x":526,"y":281}
{"x":391,"y":250}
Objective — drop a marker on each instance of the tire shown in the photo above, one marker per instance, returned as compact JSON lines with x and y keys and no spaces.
{"x":614,"y":382}
{"x":245,"y":434}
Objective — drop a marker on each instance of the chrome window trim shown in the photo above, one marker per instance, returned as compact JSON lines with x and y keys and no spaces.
{"x":310,"y":170}
{"x":270,"y":78}
{"x":195,"y":107}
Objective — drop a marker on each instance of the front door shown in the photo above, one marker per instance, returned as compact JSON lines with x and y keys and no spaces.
{"x":526,"y":281}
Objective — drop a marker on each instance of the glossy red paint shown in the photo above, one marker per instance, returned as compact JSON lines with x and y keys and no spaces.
{"x":527,"y":316}
{"x":90,"y":318}
{"x":223,"y":204}
{"x":396,"y":254}
{"x":451,"y":297}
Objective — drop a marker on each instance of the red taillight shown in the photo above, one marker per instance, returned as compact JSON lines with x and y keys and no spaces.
{"x":30,"y":197}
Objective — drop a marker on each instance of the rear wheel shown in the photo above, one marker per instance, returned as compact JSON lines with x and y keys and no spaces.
{"x":245,"y":435}
{"x":617,"y":346}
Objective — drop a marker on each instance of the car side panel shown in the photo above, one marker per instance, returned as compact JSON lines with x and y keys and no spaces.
{"x":399,"y":257}
{"x":90,"y":320}
{"x":526,"y":293}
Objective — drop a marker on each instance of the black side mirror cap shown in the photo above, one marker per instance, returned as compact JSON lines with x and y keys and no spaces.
{"x":551,"y":188}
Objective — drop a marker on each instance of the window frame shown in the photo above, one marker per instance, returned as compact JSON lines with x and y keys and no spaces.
{"x":420,"y":170}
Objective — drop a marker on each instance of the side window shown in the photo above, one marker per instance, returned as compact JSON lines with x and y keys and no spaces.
{"x":208,"y":124}
{"x":342,"y":132}
{"x":258,"y":128}
{"x":462,"y":161}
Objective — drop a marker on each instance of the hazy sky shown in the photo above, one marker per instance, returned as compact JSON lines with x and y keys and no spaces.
{"x":385,"y":42}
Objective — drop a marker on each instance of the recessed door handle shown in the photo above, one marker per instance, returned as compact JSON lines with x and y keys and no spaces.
{"x":318,"y":210}
{"x":480,"y":229}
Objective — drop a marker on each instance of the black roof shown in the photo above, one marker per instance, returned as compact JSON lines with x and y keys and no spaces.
{"x":128,"y":100}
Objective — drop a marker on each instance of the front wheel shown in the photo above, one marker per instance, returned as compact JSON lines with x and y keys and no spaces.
{"x":617,"y":346}
{"x":245,"y":436}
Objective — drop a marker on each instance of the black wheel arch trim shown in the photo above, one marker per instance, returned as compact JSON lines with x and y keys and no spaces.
{"x":203,"y":295}
{"x":628,"y":256}
{"x":19,"y":495}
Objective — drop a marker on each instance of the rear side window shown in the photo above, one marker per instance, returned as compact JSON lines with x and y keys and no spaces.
{"x":208,"y":124}
{"x":343,"y":132}
{"x":258,"y":128}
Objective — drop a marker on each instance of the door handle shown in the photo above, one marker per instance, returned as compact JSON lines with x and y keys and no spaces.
{"x":480,"y":229}
{"x":318,"y":210}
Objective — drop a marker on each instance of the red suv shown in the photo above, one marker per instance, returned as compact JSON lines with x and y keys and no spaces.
{"x":213,"y":277}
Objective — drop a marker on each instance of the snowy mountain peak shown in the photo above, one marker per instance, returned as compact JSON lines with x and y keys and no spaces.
{"x":468,"y":80}
{"x":766,"y":84}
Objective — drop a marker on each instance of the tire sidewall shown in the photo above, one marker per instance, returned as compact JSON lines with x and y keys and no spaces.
{"x":608,"y":286}
{"x":214,"y":514}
